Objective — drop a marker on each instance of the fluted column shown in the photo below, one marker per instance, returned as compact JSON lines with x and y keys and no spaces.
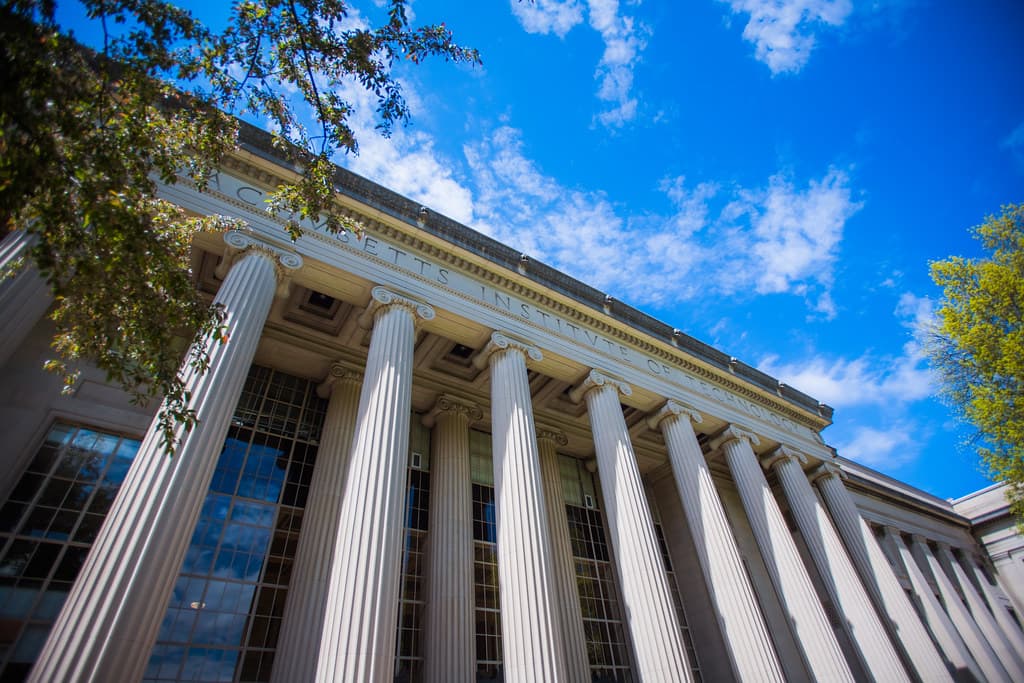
{"x":834,"y":566}
{"x":299,"y":642}
{"x":566,"y":592}
{"x":965,"y":625}
{"x":813,"y":631}
{"x":110,"y":621}
{"x":953,"y":648}
{"x":531,"y":639}
{"x":1000,"y":643}
{"x":739,"y":617}
{"x":876,"y":572}
{"x":1002,"y":616}
{"x":358,"y":639}
{"x":650,"y":612}
{"x":449,"y":655}
{"x":24,"y":295}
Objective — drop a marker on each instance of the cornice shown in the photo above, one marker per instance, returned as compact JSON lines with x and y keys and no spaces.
{"x":512,"y":282}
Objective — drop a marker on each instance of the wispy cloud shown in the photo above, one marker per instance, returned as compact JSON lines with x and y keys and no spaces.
{"x":887,"y":449}
{"x":623,"y":43}
{"x":784,"y":32}
{"x":780,"y":238}
{"x":870,"y":379}
{"x":548,"y":16}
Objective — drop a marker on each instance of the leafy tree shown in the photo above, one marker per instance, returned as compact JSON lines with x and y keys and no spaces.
{"x":978,"y":344}
{"x":86,"y":133}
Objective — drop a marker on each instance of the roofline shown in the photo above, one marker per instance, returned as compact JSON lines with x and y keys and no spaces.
{"x":260,"y":143}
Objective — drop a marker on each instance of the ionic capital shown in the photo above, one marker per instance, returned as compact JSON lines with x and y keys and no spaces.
{"x":671,"y":410}
{"x":783,"y":454}
{"x":555,"y":436}
{"x":449,"y":406}
{"x":596,"y":379}
{"x":338,"y":372}
{"x":238,"y":244}
{"x":500,"y":342}
{"x":382,"y":299}
{"x":735,"y":433}
{"x":826,"y":470}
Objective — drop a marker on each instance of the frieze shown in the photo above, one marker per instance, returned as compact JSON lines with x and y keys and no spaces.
{"x":449,"y":271}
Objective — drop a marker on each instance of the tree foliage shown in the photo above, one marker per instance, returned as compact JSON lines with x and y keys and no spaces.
{"x":978,"y":344}
{"x":86,"y":134}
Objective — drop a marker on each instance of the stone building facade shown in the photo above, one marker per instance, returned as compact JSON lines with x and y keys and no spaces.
{"x":422,"y":456}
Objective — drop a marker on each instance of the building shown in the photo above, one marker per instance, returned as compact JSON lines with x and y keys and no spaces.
{"x":423,"y":456}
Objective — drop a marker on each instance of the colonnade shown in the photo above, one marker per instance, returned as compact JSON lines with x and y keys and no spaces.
{"x":341,"y":614}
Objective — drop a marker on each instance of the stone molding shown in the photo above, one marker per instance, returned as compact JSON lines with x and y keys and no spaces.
{"x":552,"y":434}
{"x":338,"y":372}
{"x":734,"y":433}
{"x":782,"y":454}
{"x":238,"y":243}
{"x":825,"y":470}
{"x":597,"y":379}
{"x":500,"y":342}
{"x":672,"y":410}
{"x":447,"y":404}
{"x":382,"y":298}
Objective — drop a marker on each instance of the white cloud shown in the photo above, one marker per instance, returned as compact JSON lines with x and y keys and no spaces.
{"x":783,"y":32}
{"x":547,"y":16}
{"x":883,"y":448}
{"x":782,"y":238}
{"x":869,"y":380}
{"x":793,"y":235}
{"x":622,"y":47}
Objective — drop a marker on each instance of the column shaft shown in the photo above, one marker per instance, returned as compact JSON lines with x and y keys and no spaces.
{"x":1001,"y":645}
{"x":110,"y":621}
{"x":24,"y":296}
{"x":567,"y":594}
{"x":650,"y":613}
{"x":532,"y":647}
{"x":945,"y":633}
{"x":358,"y":639}
{"x":740,"y":619}
{"x":813,"y":631}
{"x":449,"y":653}
{"x":836,"y":571}
{"x":982,"y":652}
{"x":299,"y":643}
{"x":908,"y":631}
{"x":1005,"y":621}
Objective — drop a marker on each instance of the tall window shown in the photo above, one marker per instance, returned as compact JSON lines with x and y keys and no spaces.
{"x":677,"y":599}
{"x":607,"y":644}
{"x":409,"y":649}
{"x":485,"y":562}
{"x":47,"y":526}
{"x":224,"y":615}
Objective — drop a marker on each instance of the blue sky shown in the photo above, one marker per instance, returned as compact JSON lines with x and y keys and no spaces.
{"x":771,"y":176}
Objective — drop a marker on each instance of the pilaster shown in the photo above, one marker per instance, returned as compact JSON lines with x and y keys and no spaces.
{"x":1008,"y":656}
{"x":653,"y":626}
{"x":24,"y":294}
{"x":954,"y":650}
{"x":740,"y":620}
{"x":979,"y":648}
{"x":532,"y":646}
{"x":835,"y":568}
{"x":449,"y":636}
{"x":813,"y":631}
{"x":567,"y":595}
{"x":299,"y":642}
{"x":908,"y":632}
{"x":110,"y":620}
{"x":358,"y":639}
